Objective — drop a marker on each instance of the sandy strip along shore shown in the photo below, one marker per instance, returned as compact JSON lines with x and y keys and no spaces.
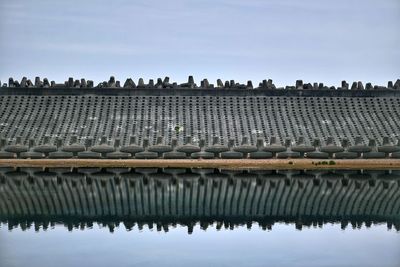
{"x":269,"y":164}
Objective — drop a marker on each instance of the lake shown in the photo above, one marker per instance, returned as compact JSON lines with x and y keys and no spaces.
{"x":198,"y":217}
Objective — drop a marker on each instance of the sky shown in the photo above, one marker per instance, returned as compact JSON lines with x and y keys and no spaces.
{"x":284,"y":40}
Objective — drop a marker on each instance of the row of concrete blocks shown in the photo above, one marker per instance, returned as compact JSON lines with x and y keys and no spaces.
{"x":273,"y":149}
{"x":165,"y":83}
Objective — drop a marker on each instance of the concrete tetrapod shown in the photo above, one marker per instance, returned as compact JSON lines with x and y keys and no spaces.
{"x":202,"y":154}
{"x":60,"y":154}
{"x":359,"y":147}
{"x":17,"y":148}
{"x":346,"y":154}
{"x":301,"y":147}
{"x":117,"y":154}
{"x":31,"y":154}
{"x":160,"y":147}
{"x":373,"y":153}
{"x":188,"y":147}
{"x":145,"y":154}
{"x":174,"y":154}
{"x":216,"y":147}
{"x":396,"y":155}
{"x":103,"y":148}
{"x":260,"y":153}
{"x":5,"y":154}
{"x":331,"y":148}
{"x":274,"y":147}
{"x":132,"y":148}
{"x":88,"y":154}
{"x":231,"y":154}
{"x":245,"y":147}
{"x":46,"y":147}
{"x":388,"y":147}
{"x":288,"y":153}
{"x":317,"y":154}
{"x":74,"y":147}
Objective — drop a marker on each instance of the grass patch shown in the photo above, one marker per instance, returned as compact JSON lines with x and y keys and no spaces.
{"x":324,"y":163}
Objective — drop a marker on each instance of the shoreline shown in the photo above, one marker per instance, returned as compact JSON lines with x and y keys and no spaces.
{"x":265,"y":164}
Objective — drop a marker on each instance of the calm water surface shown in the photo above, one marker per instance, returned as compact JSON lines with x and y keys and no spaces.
{"x":150,"y":217}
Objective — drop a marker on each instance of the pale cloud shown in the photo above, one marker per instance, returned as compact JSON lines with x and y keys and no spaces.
{"x":283,"y":39}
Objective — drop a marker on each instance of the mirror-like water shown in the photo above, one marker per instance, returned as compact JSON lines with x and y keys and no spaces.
{"x":177,"y":217}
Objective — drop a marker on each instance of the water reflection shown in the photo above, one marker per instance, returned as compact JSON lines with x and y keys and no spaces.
{"x":164,"y":198}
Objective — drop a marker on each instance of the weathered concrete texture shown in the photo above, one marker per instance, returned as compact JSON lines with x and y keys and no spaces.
{"x":201,"y":117}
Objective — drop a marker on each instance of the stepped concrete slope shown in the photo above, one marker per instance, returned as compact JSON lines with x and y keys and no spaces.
{"x":166,"y":120}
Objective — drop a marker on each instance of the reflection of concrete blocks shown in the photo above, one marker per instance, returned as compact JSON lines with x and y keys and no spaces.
{"x":141,"y":196}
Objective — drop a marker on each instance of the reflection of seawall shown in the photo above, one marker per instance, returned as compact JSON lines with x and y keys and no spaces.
{"x":168,"y":197}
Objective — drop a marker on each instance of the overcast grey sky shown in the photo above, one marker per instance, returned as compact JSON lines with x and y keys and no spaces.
{"x":285,"y":40}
